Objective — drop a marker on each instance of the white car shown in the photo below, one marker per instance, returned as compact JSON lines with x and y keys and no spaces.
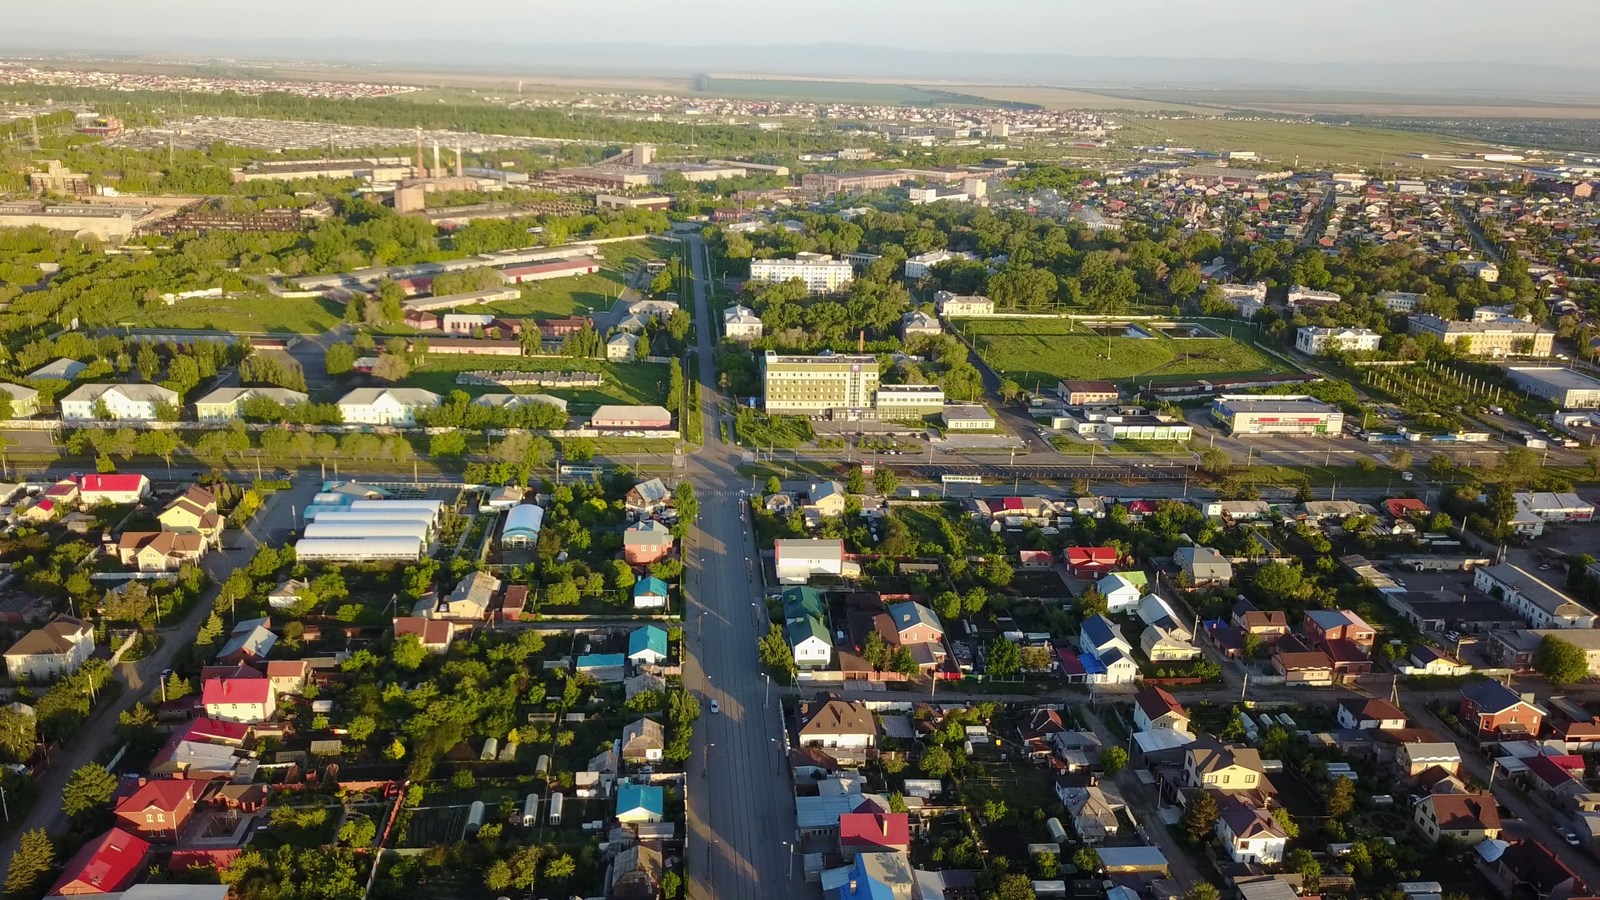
{"x":715,"y":707}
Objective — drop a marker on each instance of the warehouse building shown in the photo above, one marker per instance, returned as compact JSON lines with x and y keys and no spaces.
{"x":631,"y":418}
{"x":1563,"y":387}
{"x":1255,"y":414}
{"x":806,"y":385}
{"x":358,"y":549}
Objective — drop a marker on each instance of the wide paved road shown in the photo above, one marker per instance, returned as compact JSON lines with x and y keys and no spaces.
{"x":740,"y":805}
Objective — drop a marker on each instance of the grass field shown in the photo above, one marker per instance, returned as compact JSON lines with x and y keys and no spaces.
{"x":807,"y":89}
{"x":625,"y":382}
{"x":580,"y":295}
{"x":245,"y":315}
{"x":1045,"y":351}
{"x":1068,"y":98}
{"x":1310,"y":143}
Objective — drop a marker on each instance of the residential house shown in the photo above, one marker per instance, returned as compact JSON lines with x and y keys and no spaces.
{"x":1155,"y":707}
{"x":825,"y":500}
{"x":248,"y":700}
{"x":105,"y":865}
{"x":194,"y":513}
{"x":1203,"y":566}
{"x":1112,"y":656}
{"x":1542,"y":605}
{"x":624,"y":345}
{"x":636,"y":874}
{"x":119,"y":490}
{"x":1087,"y":563}
{"x":1249,"y":833}
{"x":915,"y":624}
{"x":1212,"y":765}
{"x":1312,"y":667}
{"x":158,"y":551}
{"x":645,"y":542}
{"x":289,"y":676}
{"x":250,"y":641}
{"x":24,"y":400}
{"x":1324,"y":626}
{"x":1122,"y":590}
{"x":647,"y":497}
{"x":1494,"y":710}
{"x":834,"y":724}
{"x":227,"y":403}
{"x":1092,"y":809}
{"x":435,"y":635}
{"x":1167,"y":645}
{"x":288,"y":593}
{"x":159,"y":810}
{"x":471,"y":599}
{"x":1414,"y":757}
{"x":640,"y":803}
{"x":809,"y":641}
{"x":649,"y":592}
{"x":385,"y":406}
{"x":1370,"y":713}
{"x":873,"y":832}
{"x":1528,"y":869}
{"x":1426,"y":660}
{"x":647,"y":646}
{"x":1267,"y":624}
{"x":117,"y":402}
{"x":51,"y":651}
{"x":740,"y":323}
{"x":643,"y":740}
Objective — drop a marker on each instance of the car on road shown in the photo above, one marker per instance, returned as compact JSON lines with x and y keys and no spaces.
{"x":1452,"y":636}
{"x":715,"y":707}
{"x":1571,"y":837}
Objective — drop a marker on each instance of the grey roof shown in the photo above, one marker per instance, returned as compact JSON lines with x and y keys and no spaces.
{"x":138,"y":393}
{"x":1491,"y":696}
{"x":416,"y":397}
{"x":648,"y":493}
{"x":240,"y":394}
{"x":62,"y":369}
{"x":910,"y":613}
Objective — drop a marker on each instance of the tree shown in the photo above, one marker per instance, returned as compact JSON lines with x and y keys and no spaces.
{"x":1341,"y":798}
{"x":339,"y":359}
{"x":1302,"y":861}
{"x":1203,"y":890}
{"x":886,"y":482}
{"x":88,"y":788}
{"x":30,"y":866}
{"x":1113,"y":759}
{"x":935,"y":762}
{"x":1016,"y":886}
{"x":1009,"y":389}
{"x":875,"y":652}
{"x":361,"y":727}
{"x":447,"y":444}
{"x":1086,"y":860}
{"x":856,"y":483}
{"x":1200,"y":817}
{"x":903,"y":663}
{"x":358,"y":831}
{"x":1401,"y":460}
{"x":408,"y":652}
{"x":1560,"y":661}
{"x":774,"y":486}
{"x":773,"y":648}
{"x":1004,"y":658}
{"x":17,"y":734}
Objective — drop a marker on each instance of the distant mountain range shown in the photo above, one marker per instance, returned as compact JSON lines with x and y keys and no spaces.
{"x":1489,"y":78}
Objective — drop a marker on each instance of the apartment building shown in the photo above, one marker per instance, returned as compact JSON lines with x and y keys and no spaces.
{"x":821,"y":273}
{"x":806,"y":385}
{"x":1314,"y":340}
{"x":957,"y":306}
{"x":1503,"y":337}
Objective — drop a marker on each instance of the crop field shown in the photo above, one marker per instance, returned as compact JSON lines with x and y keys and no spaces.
{"x":1045,"y":351}
{"x":244,"y":315}
{"x":1310,"y":143}
{"x":625,"y":382}
{"x":580,"y":295}
{"x":1068,"y":98}
{"x":841,"y":91}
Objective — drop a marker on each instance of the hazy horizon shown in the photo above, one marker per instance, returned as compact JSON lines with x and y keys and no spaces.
{"x":1282,"y":31}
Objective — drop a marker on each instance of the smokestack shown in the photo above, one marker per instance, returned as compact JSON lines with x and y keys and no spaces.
{"x":885,"y":822}
{"x":436,"y":168}
{"x":861,"y":341}
{"x":458,"y":161}
{"x":420,"y":171}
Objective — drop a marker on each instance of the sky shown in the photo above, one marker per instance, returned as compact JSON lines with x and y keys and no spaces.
{"x":1280,"y":30}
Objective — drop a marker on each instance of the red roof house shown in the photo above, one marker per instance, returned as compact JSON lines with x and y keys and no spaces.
{"x":105,"y":865}
{"x":863,"y":832}
{"x":239,"y":699}
{"x":159,"y":810}
{"x":1092,"y":562}
{"x":94,"y":489}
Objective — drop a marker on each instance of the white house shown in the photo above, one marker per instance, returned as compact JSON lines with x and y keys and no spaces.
{"x":1314,"y":340}
{"x":123,"y":402}
{"x":385,"y":406}
{"x":1100,"y":639}
{"x":1250,"y":834}
{"x":808,"y":639}
{"x":797,"y":560}
{"x":740,"y":323}
{"x":226,"y":403}
{"x":57,"y":649}
{"x":1122,"y":590}
{"x":957,"y":306}
{"x":622,"y":345}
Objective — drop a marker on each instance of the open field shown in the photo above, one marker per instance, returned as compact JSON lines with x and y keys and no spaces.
{"x":580,"y":295}
{"x":625,"y":382}
{"x":1065,"y":98}
{"x":1371,"y":103}
{"x":808,"y":89}
{"x":244,"y":315}
{"x":1042,"y":352}
{"x":1310,"y":143}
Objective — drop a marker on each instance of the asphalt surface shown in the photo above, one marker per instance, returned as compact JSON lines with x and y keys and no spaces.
{"x":740,"y":804}
{"x":272,"y":524}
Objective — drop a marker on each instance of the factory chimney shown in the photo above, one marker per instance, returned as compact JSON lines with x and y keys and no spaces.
{"x":861,"y":341}
{"x":458,"y":161}
{"x":436,"y":168}
{"x":420,"y":171}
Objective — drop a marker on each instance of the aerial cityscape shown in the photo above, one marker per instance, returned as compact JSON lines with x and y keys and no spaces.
{"x":732,"y":465}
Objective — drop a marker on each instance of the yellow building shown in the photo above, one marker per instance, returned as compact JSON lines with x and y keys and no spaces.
{"x":807,"y":385}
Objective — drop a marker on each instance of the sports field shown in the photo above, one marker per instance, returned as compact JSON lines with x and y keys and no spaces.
{"x":1042,"y":352}
{"x":254,"y":314}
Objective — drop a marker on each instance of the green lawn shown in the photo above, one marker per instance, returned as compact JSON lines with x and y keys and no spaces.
{"x":245,"y":315}
{"x":580,"y":295}
{"x":625,"y":382}
{"x":1045,"y":351}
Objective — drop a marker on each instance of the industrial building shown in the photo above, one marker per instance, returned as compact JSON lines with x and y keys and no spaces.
{"x":386,"y":169}
{"x":631,"y":418}
{"x":1256,"y":414}
{"x":817,"y":384}
{"x":797,"y":560}
{"x":469,"y":298}
{"x":522,"y":526}
{"x":544,"y":271}
{"x":856,"y":182}
{"x":358,"y":549}
{"x":821,"y":273}
{"x":909,"y":400}
{"x":968,"y":417}
{"x":1503,"y":337}
{"x":1563,"y":387}
{"x":341,"y":526}
{"x":108,"y":223}
{"x":644,"y":201}
{"x":58,"y":179}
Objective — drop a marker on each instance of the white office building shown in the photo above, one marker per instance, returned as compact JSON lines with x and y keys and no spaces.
{"x":1314,"y":340}
{"x":821,"y":273}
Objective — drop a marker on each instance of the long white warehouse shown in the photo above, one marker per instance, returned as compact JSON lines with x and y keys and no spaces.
{"x":358,"y":549}
{"x":434,"y":507}
{"x":371,"y":515}
{"x":415,"y":530}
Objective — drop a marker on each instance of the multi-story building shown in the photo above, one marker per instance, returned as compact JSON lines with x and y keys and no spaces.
{"x":227,"y":403}
{"x":121,"y":402}
{"x":1315,"y":340}
{"x":1302,"y":297}
{"x":740,"y":323}
{"x":821,"y":273}
{"x":956,"y":306}
{"x":1088,"y":393}
{"x":1542,"y":605}
{"x":817,"y":384}
{"x":852,"y":182}
{"x":1398,"y":301}
{"x":1563,"y":387}
{"x":1251,"y":414}
{"x":922,"y":264}
{"x":385,"y":406}
{"x":910,"y":400}
{"x":1248,"y":299}
{"x":1503,"y":337}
